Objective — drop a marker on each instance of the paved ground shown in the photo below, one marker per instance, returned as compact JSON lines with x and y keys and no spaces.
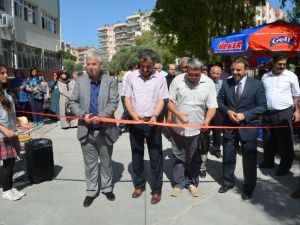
{"x":60,"y":201}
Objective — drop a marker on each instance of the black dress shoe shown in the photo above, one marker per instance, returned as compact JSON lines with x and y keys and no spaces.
{"x":202,"y":173}
{"x":246,"y":195}
{"x":109,"y":195}
{"x":88,"y":201}
{"x":281,"y":172}
{"x":265,"y":165}
{"x":224,"y":188}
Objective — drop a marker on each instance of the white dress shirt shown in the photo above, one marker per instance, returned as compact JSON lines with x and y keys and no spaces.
{"x":242,"y":81}
{"x":280,"y":89}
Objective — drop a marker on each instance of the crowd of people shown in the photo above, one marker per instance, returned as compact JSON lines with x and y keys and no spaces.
{"x":35,"y":94}
{"x":194,"y":96}
{"x":198,"y":95}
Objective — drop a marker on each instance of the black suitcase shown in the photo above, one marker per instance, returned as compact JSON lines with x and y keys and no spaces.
{"x":39,"y":160}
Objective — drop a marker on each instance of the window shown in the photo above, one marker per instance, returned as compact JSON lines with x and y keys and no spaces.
{"x":51,"y":60}
{"x":7,"y":54}
{"x":28,"y":56}
{"x":49,"y":23}
{"x":25,"y":10}
{"x":2,"y":5}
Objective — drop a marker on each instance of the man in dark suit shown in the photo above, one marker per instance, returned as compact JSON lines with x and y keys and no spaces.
{"x":241,"y":100}
{"x":96,"y":95}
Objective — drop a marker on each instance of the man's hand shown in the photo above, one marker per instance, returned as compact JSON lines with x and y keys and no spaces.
{"x":183,"y":118}
{"x":296,"y":116}
{"x":232,"y":116}
{"x":87,"y":118}
{"x":153,"y":119}
{"x":170,"y":117}
{"x":205,"y":124}
{"x":136,"y":117}
{"x":240,"y":116}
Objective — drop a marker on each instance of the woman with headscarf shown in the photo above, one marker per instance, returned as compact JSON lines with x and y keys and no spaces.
{"x":65,"y":87}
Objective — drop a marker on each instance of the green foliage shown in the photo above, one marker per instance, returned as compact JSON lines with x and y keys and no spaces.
{"x":293,"y":15}
{"x":67,"y":55}
{"x":78,"y":67}
{"x":70,"y":66}
{"x":124,"y":57}
{"x":187,"y":26}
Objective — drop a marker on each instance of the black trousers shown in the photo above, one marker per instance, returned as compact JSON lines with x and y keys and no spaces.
{"x":216,"y":133}
{"x":278,"y":141}
{"x":152,"y":134}
{"x":7,"y":174}
{"x":231,"y":142}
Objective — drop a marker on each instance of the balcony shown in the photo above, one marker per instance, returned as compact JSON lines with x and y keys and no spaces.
{"x":103,"y":34}
{"x":103,"y":40}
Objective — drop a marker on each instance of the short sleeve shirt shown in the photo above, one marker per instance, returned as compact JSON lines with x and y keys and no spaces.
{"x":192,"y":99}
{"x":145,"y":93}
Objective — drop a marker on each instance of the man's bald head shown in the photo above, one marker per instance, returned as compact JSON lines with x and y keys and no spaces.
{"x":215,"y":73}
{"x":172,"y":69}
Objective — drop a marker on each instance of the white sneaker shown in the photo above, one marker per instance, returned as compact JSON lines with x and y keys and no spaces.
{"x":18,"y":193}
{"x":10,"y":195}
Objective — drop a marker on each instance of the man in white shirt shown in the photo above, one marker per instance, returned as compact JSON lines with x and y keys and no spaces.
{"x":192,"y":100}
{"x":158,"y":68}
{"x":282,"y":92}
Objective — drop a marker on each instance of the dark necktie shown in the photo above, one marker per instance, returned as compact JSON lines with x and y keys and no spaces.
{"x":238,"y":92}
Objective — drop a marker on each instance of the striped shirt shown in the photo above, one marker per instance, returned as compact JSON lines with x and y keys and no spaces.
{"x":145,"y":93}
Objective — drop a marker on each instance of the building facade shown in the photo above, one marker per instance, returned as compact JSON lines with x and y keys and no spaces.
{"x":112,"y":38}
{"x":267,"y":14}
{"x":81,"y":53}
{"x":30,"y":34}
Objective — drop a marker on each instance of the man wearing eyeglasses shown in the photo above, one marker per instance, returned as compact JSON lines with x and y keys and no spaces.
{"x":282,"y":90}
{"x":192,"y":101}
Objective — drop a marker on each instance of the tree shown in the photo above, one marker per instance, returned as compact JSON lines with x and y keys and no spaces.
{"x":68,"y":65}
{"x":293,"y":15}
{"x":122,"y":59}
{"x":67,"y":55}
{"x":188,"y":25}
{"x":126,"y":56}
{"x":148,"y":39}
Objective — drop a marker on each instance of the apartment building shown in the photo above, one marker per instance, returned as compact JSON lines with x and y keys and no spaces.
{"x":30,"y":34}
{"x":112,"y":38}
{"x":267,"y":14}
{"x":81,"y":53}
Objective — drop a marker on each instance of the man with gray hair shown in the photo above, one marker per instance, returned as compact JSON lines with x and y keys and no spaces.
{"x":144,"y":99}
{"x":183,"y":63}
{"x":193,"y":100}
{"x":96,"y":95}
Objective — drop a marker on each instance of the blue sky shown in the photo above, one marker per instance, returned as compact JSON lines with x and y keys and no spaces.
{"x":81,"y":19}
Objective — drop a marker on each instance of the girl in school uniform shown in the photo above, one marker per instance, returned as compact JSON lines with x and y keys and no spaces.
{"x":9,"y":143}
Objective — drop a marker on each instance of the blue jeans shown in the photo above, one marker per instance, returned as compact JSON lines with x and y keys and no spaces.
{"x":36,"y":106}
{"x":186,"y":158}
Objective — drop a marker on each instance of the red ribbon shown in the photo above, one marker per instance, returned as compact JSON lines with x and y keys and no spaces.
{"x":196,"y":126}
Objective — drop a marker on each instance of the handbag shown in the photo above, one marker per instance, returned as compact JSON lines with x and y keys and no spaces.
{"x":68,"y":111}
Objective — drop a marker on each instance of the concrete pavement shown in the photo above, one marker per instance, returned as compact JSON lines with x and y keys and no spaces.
{"x":60,"y":201}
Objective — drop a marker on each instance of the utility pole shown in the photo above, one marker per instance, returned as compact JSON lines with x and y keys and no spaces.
{"x":13,"y":36}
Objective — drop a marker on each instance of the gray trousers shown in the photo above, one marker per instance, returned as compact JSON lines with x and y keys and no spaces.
{"x":95,"y":147}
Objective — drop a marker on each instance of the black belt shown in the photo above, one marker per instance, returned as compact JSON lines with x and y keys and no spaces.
{"x":277,"y":111}
{"x":147,"y":119}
